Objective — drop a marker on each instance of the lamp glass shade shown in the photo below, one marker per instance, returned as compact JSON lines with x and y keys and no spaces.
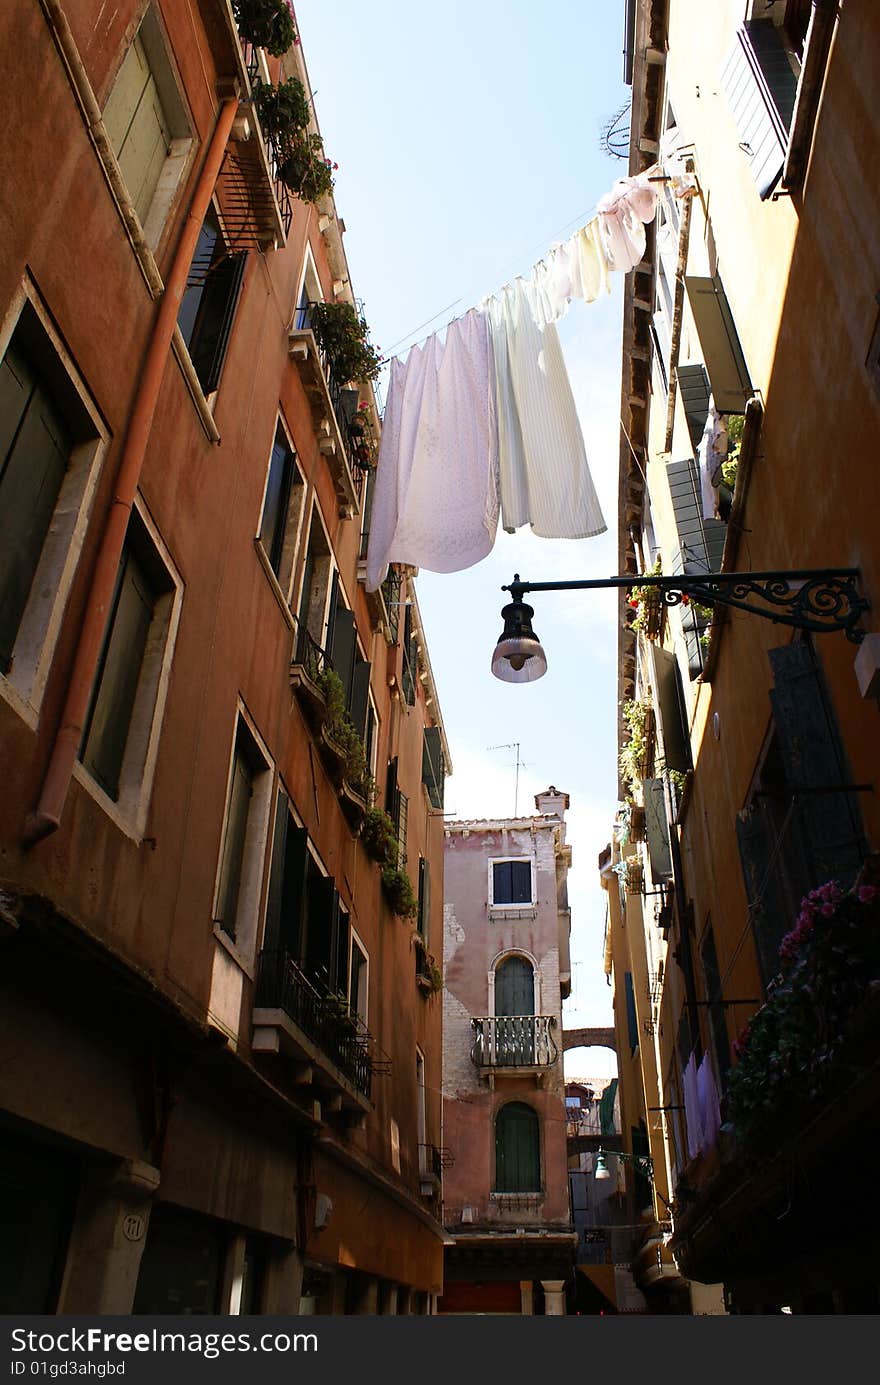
{"x":601,"y":1171}
{"x":518,"y":656}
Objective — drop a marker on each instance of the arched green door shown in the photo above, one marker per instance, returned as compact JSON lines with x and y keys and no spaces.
{"x":514,"y":987}
{"x":517,"y":1149}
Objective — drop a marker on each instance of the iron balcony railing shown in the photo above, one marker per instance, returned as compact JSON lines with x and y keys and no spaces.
{"x":514,"y":1041}
{"x":310,"y":655}
{"x":323,"y":1017}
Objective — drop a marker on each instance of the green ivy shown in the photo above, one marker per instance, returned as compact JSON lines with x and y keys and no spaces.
{"x":399,"y":891}
{"x":379,"y":836}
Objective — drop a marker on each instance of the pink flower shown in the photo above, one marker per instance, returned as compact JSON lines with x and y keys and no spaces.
{"x":828,"y":911}
{"x":867,"y":893}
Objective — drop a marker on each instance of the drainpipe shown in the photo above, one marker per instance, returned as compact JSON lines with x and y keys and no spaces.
{"x":46,"y":817}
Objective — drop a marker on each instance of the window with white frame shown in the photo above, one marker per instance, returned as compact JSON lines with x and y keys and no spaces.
{"x":121,"y":736}
{"x":148,"y":126}
{"x":245,"y":830}
{"x":52,"y":443}
{"x":511,"y":882}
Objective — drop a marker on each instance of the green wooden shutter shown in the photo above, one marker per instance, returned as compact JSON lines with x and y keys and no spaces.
{"x":517,"y":1149}
{"x":657,"y":829}
{"x":34,"y":452}
{"x":760,"y":86}
{"x":514,"y":987}
{"x":671,"y":707}
{"x":433,"y":769}
{"x":693,"y":556}
{"x":322,"y":930}
{"x":632,"y":1023}
{"x":769,"y":901}
{"x":719,"y":343}
{"x":138,"y":128}
{"x":233,"y":844}
{"x":340,"y":958}
{"x":273,"y":526}
{"x":342,"y":650}
{"x":272,"y":932}
{"x":118,"y":674}
{"x":693,"y":386}
{"x":424,"y":915}
{"x":359,"y":701}
{"x":814,"y":761}
{"x":717,"y":1018}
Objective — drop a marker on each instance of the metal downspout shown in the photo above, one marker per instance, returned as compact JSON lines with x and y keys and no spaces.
{"x":46,"y":817}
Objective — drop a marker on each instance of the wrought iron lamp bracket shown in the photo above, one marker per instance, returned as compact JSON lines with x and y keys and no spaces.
{"x":819,"y":600}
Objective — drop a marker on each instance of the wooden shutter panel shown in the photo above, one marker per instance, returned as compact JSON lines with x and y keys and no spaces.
{"x":760,"y":86}
{"x":272,"y":932}
{"x":34,"y":452}
{"x":118,"y":675}
{"x":657,"y":829}
{"x":433,"y":770}
{"x":693,"y":556}
{"x":768,"y":900}
{"x":814,"y":759}
{"x":514,"y":987}
{"x":138,"y":128}
{"x":322,"y":930}
{"x":339,"y":958}
{"x":632,"y":1023}
{"x":693,"y":386}
{"x":240,"y":794}
{"x":670,"y":707}
{"x":360,"y":697}
{"x":342,"y":651}
{"x":517,"y":1150}
{"x":424,"y":916}
{"x":719,"y":343}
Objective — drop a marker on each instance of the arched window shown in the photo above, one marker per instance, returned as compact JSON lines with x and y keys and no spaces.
{"x":517,"y":1149}
{"x":514,"y":987}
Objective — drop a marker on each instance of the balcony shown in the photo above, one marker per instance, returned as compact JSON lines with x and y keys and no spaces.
{"x":295,"y":1018}
{"x":333,"y":407}
{"x":433,"y":1159}
{"x":309,"y":662}
{"x":521,"y":1043}
{"x":256,"y":205}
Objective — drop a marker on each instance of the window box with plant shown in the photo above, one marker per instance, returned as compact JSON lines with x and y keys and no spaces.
{"x":637,"y":756}
{"x":429,"y":977}
{"x":378,"y":837}
{"x":343,"y":335}
{"x":818,"y":1029}
{"x":343,"y":747}
{"x":648,"y":605}
{"x":399,"y":892}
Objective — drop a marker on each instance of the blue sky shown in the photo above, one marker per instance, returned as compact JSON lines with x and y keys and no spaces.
{"x":468,"y":140}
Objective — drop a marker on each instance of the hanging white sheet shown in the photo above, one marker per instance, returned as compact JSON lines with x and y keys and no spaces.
{"x":545,"y":477}
{"x":435,"y":499}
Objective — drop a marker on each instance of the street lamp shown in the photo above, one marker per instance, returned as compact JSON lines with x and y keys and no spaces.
{"x":642,"y":1162}
{"x":818,"y":600}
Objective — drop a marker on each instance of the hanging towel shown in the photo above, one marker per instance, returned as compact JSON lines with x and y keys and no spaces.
{"x":557,"y":281}
{"x":622,"y":213}
{"x":545,"y":478}
{"x":435,"y":498}
{"x":710,"y":1107}
{"x":593,"y":262}
{"x":692,"y":1115}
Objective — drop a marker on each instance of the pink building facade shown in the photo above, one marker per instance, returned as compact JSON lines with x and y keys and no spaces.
{"x":506,"y":973}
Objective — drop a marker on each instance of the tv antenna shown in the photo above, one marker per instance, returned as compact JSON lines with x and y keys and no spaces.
{"x":520,"y":764}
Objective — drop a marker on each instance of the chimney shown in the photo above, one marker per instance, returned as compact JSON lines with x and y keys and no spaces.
{"x":552,"y":802}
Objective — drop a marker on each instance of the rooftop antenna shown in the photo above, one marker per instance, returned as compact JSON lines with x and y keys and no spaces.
{"x":520,"y":764}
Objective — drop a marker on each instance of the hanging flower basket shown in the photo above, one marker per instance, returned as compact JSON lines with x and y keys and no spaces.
{"x":303,"y":169}
{"x":266,"y":24}
{"x":344,"y":335}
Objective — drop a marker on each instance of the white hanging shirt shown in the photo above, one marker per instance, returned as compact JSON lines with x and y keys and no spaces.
{"x":435,"y":498}
{"x":622,"y":213}
{"x":545,"y":478}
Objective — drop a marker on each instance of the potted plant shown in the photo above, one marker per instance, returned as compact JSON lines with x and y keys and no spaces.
{"x":344,"y":335}
{"x":303,"y":168}
{"x":648,"y":605}
{"x":282,"y":109}
{"x":399,"y":892}
{"x":266,"y":24}
{"x":379,"y":836}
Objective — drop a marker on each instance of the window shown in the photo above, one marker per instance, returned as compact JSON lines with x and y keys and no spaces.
{"x":182,"y":1265}
{"x":305,"y":918}
{"x":282,"y":509}
{"x":244,"y":841}
{"x":316,"y":592}
{"x":715,"y":1006}
{"x":121,"y":737}
{"x":120,"y":741}
{"x":511,"y":882}
{"x":514,"y":987}
{"x":800,"y":827}
{"x":397,"y":808}
{"x":207,"y":309}
{"x":433,"y":765}
{"x":51,"y":445}
{"x":147,"y":126}
{"x":517,"y":1149}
